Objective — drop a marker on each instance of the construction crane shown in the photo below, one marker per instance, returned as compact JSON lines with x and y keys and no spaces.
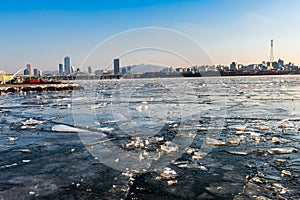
{"x":7,"y":78}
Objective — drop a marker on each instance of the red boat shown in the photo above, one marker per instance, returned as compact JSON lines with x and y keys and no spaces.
{"x":39,"y":81}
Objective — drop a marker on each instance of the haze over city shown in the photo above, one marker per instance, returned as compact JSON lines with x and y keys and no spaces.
{"x":43,"y":33}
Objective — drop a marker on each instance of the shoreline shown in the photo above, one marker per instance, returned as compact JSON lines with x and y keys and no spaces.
{"x":38,"y":87}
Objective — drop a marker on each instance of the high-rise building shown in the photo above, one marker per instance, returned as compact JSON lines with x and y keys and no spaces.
{"x":281,"y":62}
{"x":60,"y":69}
{"x":90,"y":70}
{"x":35,"y":72}
{"x":116,"y":66}
{"x":67,"y":62}
{"x":29,"y":68}
{"x":72,"y":69}
{"x":26,"y":72}
{"x":233,"y":66}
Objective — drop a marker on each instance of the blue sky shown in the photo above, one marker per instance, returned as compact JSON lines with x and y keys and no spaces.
{"x":43,"y":32}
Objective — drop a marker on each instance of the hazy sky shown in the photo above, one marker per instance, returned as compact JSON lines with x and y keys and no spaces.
{"x":43,"y":32}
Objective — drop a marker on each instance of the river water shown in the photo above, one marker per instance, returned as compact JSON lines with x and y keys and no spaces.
{"x":197,"y":138}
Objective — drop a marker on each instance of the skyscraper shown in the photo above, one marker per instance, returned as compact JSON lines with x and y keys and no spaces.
{"x":67,"y":62}
{"x":60,"y":69}
{"x":26,"y":72}
{"x":72,"y":69}
{"x":233,"y":66}
{"x":29,"y":68}
{"x":90,"y":70}
{"x":35,"y":72}
{"x":116,"y":66}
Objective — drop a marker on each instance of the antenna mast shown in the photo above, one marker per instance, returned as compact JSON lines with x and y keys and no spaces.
{"x":271,"y":55}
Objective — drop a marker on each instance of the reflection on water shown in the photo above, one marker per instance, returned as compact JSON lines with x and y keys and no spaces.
{"x":237,"y":137}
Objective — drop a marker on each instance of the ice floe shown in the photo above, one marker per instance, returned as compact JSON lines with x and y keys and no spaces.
{"x":65,"y":128}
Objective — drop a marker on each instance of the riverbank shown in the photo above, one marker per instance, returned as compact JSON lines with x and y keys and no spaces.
{"x":12,"y":88}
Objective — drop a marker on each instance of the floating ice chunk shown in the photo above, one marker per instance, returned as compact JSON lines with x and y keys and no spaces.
{"x":8,"y":166}
{"x":65,"y":128}
{"x":96,"y":106}
{"x":275,"y":140}
{"x":160,"y":139}
{"x":173,"y":125}
{"x":106,"y":129}
{"x":198,"y":155}
{"x":172,"y":182}
{"x":127,"y":173}
{"x":25,"y":151}
{"x":279,"y":188}
{"x":240,"y":128}
{"x":286,"y":150}
{"x":239,"y":132}
{"x":97,"y":123}
{"x":168,"y":173}
{"x":169,"y":147}
{"x":254,"y":135}
{"x":286,"y":126}
{"x":12,"y":139}
{"x":262,"y":128}
{"x":139,"y":108}
{"x":280,"y":160}
{"x":180,"y":162}
{"x":31,"y":121}
{"x":285,"y":173}
{"x":241,"y":153}
{"x":28,"y":127}
{"x":259,"y":180}
{"x":189,"y":150}
{"x":32,"y":193}
{"x":214,"y":142}
{"x":233,"y":141}
{"x":141,"y":157}
{"x":284,"y":120}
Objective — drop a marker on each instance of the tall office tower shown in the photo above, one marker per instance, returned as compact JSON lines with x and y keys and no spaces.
{"x":72,"y":69}
{"x":67,"y":62}
{"x":26,"y":72}
{"x":116,"y":66}
{"x":233,"y":66}
{"x":35,"y":72}
{"x":29,"y":68}
{"x":60,"y":69}
{"x":90,"y":71}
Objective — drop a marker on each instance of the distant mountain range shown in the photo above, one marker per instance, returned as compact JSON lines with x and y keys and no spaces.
{"x":142,"y":68}
{"x":50,"y":72}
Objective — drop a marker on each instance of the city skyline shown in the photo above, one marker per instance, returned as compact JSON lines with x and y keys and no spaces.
{"x":115,"y":67}
{"x":41,"y":33}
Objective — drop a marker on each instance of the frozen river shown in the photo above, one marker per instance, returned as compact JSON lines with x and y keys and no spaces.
{"x":199,"y":138}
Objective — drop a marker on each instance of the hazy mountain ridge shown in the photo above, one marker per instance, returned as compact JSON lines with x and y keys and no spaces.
{"x":142,"y":68}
